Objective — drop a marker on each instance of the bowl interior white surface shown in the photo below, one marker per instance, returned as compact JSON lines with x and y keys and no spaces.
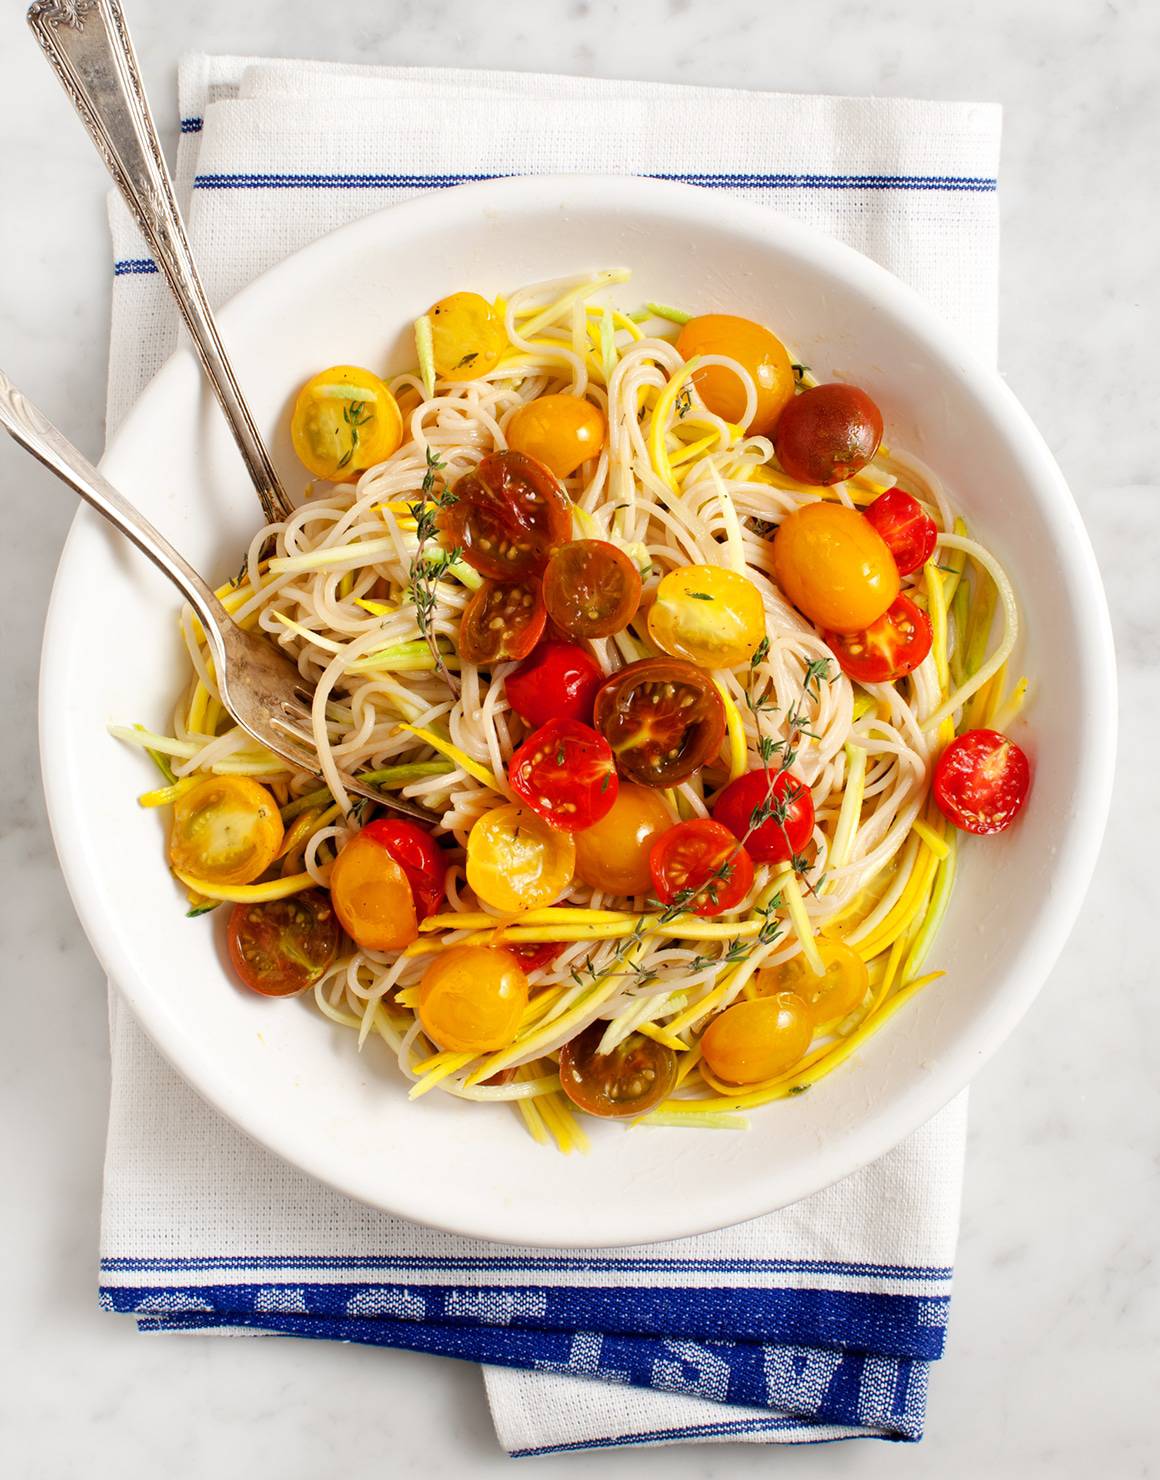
{"x":112,"y":654}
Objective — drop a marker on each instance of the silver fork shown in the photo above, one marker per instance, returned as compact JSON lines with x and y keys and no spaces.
{"x":259,"y":686}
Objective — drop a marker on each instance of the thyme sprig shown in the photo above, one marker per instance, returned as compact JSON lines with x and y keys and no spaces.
{"x":427,"y":571}
{"x":355,"y":414}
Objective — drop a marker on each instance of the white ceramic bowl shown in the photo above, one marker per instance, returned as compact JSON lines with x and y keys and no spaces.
{"x":294,"y":1081}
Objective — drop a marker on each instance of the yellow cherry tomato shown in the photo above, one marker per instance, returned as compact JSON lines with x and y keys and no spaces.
{"x":757,"y":1040}
{"x":344,"y":421}
{"x":755,"y":349}
{"x":226,"y":830}
{"x":515,"y":861}
{"x":471,"y":999}
{"x":467,"y":335}
{"x":834,"y":566}
{"x":708,"y":616}
{"x":372,"y":897}
{"x":559,"y":431}
{"x":830,"y":997}
{"x":612,"y":854}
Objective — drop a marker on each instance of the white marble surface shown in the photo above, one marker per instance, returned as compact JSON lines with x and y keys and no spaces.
{"x":1051,"y":1364}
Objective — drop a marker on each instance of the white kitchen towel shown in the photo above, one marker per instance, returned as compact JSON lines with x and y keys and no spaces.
{"x":818,"y":1322}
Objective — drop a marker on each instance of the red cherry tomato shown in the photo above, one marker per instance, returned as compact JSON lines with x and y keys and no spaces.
{"x":418,"y":855}
{"x":827,"y":433}
{"x":591,"y":588}
{"x":631,"y":1080}
{"x":906,"y":527}
{"x":566,"y":773}
{"x":558,"y":680}
{"x":506,"y":516}
{"x":889,"y":648}
{"x":981,"y":782}
{"x":535,"y":957}
{"x":784,"y":802}
{"x":701,"y":865}
{"x":663,"y":718}
{"x":284,"y":946}
{"x":504,"y":619}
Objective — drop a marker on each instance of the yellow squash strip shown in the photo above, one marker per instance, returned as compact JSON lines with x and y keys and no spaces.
{"x":850,"y":810}
{"x":375,"y":608}
{"x":937,"y":608}
{"x":450,"y":1065}
{"x":691,"y":450}
{"x":1008,"y":712}
{"x":248,"y":893}
{"x":734,"y":733}
{"x":724,"y":1122}
{"x":932,"y":923}
{"x":659,"y":1035}
{"x":796,"y":908}
{"x":165,"y":795}
{"x":358,"y":552}
{"x":328,"y":644}
{"x":658,"y":426}
{"x":453,"y":753}
{"x":686,"y":927}
{"x":532,"y":1119}
{"x":934,"y":840}
{"x":556,"y":914}
{"x":903,"y":914}
{"x":425,"y":353}
{"x":734,"y":542}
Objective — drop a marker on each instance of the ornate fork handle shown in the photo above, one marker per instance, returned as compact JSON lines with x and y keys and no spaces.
{"x":88,"y":44}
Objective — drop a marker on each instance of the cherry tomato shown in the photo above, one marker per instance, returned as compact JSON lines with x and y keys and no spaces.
{"x":631,"y":1080}
{"x":757,"y":1040}
{"x":981,"y":782}
{"x":710,"y":616}
{"x":503,"y":620}
{"x":555,"y":679}
{"x":702,"y":864}
{"x":828,"y":433}
{"x":890,"y":648}
{"x":372,"y":896}
{"x":566,"y":773}
{"x":591,"y":588}
{"x":834,"y":566}
{"x":226,"y":830}
{"x":515,"y":861}
{"x":468,"y":337}
{"x":283,"y":946}
{"x":559,"y":431}
{"x":418,"y":855}
{"x":829,"y":998}
{"x":784,"y":801}
{"x":663,"y":718}
{"x":613,"y":854}
{"x":344,"y":421}
{"x":909,"y":531}
{"x":471,"y":999}
{"x":507,"y":516}
{"x":756,"y":350}
{"x":536,"y":957}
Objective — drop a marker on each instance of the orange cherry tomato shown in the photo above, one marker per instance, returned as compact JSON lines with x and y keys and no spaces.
{"x":372,"y":896}
{"x":828,"y":433}
{"x":471,"y":999}
{"x":506,"y":516}
{"x":631,"y":1080}
{"x":612,"y":855}
{"x":559,"y":431}
{"x":226,"y":830}
{"x":889,"y":648}
{"x":906,"y":527}
{"x":591,"y":588}
{"x":981,"y":782}
{"x":834,"y":566}
{"x":663,"y":718}
{"x":467,"y":336}
{"x":344,"y":421}
{"x":566,"y":773}
{"x":757,"y":1040}
{"x":515,"y":861}
{"x":417,"y":854}
{"x":281,"y":947}
{"x":756,"y":350}
{"x":711,"y":616}
{"x":700,"y":865}
{"x":829,"y":997}
{"x":503,"y":620}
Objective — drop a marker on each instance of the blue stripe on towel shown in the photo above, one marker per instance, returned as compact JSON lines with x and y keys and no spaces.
{"x":134,"y":266}
{"x":714,"y":181}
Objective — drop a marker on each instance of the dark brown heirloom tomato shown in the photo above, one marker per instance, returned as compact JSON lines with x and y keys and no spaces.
{"x":503,"y":620}
{"x":507,"y":515}
{"x":283,"y":946}
{"x":827,"y":433}
{"x":631,"y":1080}
{"x":591,"y":588}
{"x":663,"y":718}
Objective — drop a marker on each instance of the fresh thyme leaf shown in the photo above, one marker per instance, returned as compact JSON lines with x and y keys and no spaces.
{"x":760,"y":653}
{"x":700,"y":595}
{"x":684,"y":402}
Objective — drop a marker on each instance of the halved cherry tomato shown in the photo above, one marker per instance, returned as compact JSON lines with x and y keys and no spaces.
{"x":613,"y":854}
{"x":467,"y":335}
{"x":283,"y":946}
{"x":471,"y":999}
{"x":711,"y":616}
{"x":981,"y":782}
{"x":372,"y":896}
{"x":515,"y":861}
{"x":555,"y":679}
{"x":536,"y":957}
{"x":909,"y":531}
{"x":591,"y":588}
{"x":418,"y":855}
{"x":566,"y":773}
{"x":828,"y":433}
{"x":778,"y":797}
{"x":663,"y":718}
{"x":834,"y":566}
{"x":757,"y":1040}
{"x":560,"y":431}
{"x":503,"y":620}
{"x":889,"y":648}
{"x":631,"y":1080}
{"x":507,"y":516}
{"x":226,"y":830}
{"x":830,"y":997}
{"x":344,"y":421}
{"x":701,"y":865}
{"x":756,"y":350}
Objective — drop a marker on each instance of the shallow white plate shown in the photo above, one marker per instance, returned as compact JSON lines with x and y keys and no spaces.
{"x":294,"y":1081}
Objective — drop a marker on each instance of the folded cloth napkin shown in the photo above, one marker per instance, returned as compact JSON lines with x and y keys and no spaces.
{"x":818,"y":1322}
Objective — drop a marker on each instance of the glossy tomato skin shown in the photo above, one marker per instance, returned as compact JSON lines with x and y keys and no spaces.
{"x":757,"y":1040}
{"x":515,"y":861}
{"x":565,"y":772}
{"x":467,"y":336}
{"x":283,"y":946}
{"x":372,"y":896}
{"x":418,"y":855}
{"x":834,"y":566}
{"x":909,"y":531}
{"x":890,"y":648}
{"x":560,"y":431}
{"x":534,"y":957}
{"x":507,"y":516}
{"x":225,"y":830}
{"x":631,"y":1080}
{"x":827,"y":433}
{"x":556,"y":680}
{"x":613,"y":854}
{"x":829,"y":997}
{"x":502,"y":622}
{"x":471,"y":999}
{"x":783,"y":834}
{"x":707,"y":615}
{"x":702,"y":865}
{"x":344,"y":421}
{"x":981,"y":782}
{"x":757,"y":350}
{"x":663,"y":718}
{"x":591,"y":588}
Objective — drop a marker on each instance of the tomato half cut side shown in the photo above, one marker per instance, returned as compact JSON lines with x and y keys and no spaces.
{"x":283,"y":946}
{"x":782,"y":806}
{"x":663,"y":718}
{"x":591,"y":588}
{"x":555,"y":680}
{"x":701,"y":865}
{"x":534,"y":957}
{"x":565,"y":772}
{"x":503,"y":620}
{"x":418,"y":855}
{"x":506,"y":516}
{"x":889,"y":648}
{"x":909,"y":531}
{"x":631,"y":1080}
{"x":981,"y":782}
